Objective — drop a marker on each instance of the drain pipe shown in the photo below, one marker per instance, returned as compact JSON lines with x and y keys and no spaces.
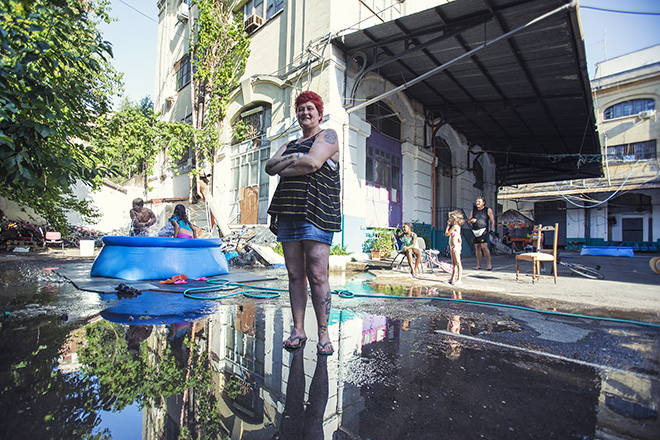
{"x":342,"y":179}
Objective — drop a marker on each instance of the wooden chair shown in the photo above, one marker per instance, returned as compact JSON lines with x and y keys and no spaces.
{"x":53,"y":238}
{"x":541,"y":256}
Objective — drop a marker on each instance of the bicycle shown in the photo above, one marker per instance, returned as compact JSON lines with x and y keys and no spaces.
{"x":581,"y":269}
{"x":430,"y":261}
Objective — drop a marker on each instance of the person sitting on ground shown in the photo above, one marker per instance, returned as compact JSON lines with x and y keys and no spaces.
{"x":409,"y":240}
{"x":532,"y":240}
{"x":506,"y":240}
{"x":182,"y":226}
{"x":141,"y":218}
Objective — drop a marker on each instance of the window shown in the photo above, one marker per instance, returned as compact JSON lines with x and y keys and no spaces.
{"x":274,"y":6}
{"x":383,"y":169}
{"x":628,"y":108}
{"x":182,"y":70}
{"x":250,"y":151}
{"x":478,"y":172}
{"x":384,"y":120}
{"x":632,"y":152}
{"x":253,"y":7}
{"x":443,"y":153}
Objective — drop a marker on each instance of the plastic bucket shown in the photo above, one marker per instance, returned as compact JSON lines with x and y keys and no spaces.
{"x":86,"y":248}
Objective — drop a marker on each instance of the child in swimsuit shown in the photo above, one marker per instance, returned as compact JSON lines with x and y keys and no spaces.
{"x":182,"y":226}
{"x":453,"y":231}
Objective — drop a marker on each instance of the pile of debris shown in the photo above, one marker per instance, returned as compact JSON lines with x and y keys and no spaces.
{"x":251,"y":246}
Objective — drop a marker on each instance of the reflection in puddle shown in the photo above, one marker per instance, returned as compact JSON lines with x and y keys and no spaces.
{"x":226,"y":375}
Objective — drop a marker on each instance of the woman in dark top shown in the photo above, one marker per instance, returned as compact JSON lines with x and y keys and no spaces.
{"x":305,"y":212}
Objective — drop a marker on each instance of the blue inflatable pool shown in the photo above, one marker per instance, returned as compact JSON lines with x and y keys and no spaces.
{"x":610,"y":251}
{"x":156,"y":258}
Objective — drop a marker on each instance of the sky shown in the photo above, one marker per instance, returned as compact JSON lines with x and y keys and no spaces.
{"x":606,"y":36}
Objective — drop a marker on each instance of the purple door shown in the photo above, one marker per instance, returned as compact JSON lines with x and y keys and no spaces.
{"x":383,"y":181}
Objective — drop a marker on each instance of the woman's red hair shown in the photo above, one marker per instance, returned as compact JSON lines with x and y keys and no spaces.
{"x":312,"y":97}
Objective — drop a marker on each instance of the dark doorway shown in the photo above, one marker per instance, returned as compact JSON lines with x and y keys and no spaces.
{"x":550,"y":212}
{"x":632,"y":229}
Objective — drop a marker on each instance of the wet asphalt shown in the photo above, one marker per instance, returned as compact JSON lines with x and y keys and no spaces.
{"x":418,"y":358}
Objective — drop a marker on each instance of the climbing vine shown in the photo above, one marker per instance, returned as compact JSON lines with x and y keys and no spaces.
{"x":220,"y":48}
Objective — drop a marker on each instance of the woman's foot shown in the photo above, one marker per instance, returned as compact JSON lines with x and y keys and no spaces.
{"x":325,"y":349}
{"x":294,"y":342}
{"x":457,"y":283}
{"x":476,"y":267}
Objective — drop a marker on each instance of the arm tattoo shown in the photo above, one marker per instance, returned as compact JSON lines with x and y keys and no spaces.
{"x":289,"y":157}
{"x":330,"y":136}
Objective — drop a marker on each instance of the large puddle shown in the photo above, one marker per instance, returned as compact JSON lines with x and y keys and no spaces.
{"x":401,"y":370}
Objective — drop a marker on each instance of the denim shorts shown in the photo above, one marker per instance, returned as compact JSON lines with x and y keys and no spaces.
{"x":295,"y":228}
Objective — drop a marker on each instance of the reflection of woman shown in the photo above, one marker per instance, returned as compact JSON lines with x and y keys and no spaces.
{"x":454,"y":324}
{"x":135,"y":335}
{"x":182,"y":226}
{"x":298,"y":421}
{"x":305,"y":213}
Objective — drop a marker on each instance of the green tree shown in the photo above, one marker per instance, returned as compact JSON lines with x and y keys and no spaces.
{"x":55,"y":80}
{"x":38,"y":400}
{"x":130,"y":138}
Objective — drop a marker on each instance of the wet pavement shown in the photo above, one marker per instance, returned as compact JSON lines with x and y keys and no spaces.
{"x":415,"y":359}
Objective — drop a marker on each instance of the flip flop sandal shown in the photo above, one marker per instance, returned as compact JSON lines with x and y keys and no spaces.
{"x":167,"y":281}
{"x":201,"y":279}
{"x":301,"y":341}
{"x":320,"y":349}
{"x":181,"y":282}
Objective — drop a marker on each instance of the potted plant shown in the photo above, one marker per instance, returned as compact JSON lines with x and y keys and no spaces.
{"x":379,"y":242}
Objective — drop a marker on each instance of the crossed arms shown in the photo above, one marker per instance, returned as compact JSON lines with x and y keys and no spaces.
{"x":325,"y":147}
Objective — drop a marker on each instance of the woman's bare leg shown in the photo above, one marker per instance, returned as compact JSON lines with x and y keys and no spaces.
{"x":411,"y":263}
{"x":317,"y":256}
{"x":294,"y":256}
{"x":418,"y":260}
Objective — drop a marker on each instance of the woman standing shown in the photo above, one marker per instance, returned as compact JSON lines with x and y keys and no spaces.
{"x":305,"y":212}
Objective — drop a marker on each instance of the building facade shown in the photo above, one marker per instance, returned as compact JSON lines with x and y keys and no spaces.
{"x":618,"y":208}
{"x":414,"y":144}
{"x":387,"y":166}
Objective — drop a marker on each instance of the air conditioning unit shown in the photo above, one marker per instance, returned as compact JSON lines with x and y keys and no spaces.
{"x":646,"y":114}
{"x":182,"y":12}
{"x":252,"y":23}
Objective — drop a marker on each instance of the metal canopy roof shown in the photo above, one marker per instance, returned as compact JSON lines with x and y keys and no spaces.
{"x":509,"y":74}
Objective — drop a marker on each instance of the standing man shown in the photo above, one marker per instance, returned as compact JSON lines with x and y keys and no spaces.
{"x":481,"y":218}
{"x":141,"y":218}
